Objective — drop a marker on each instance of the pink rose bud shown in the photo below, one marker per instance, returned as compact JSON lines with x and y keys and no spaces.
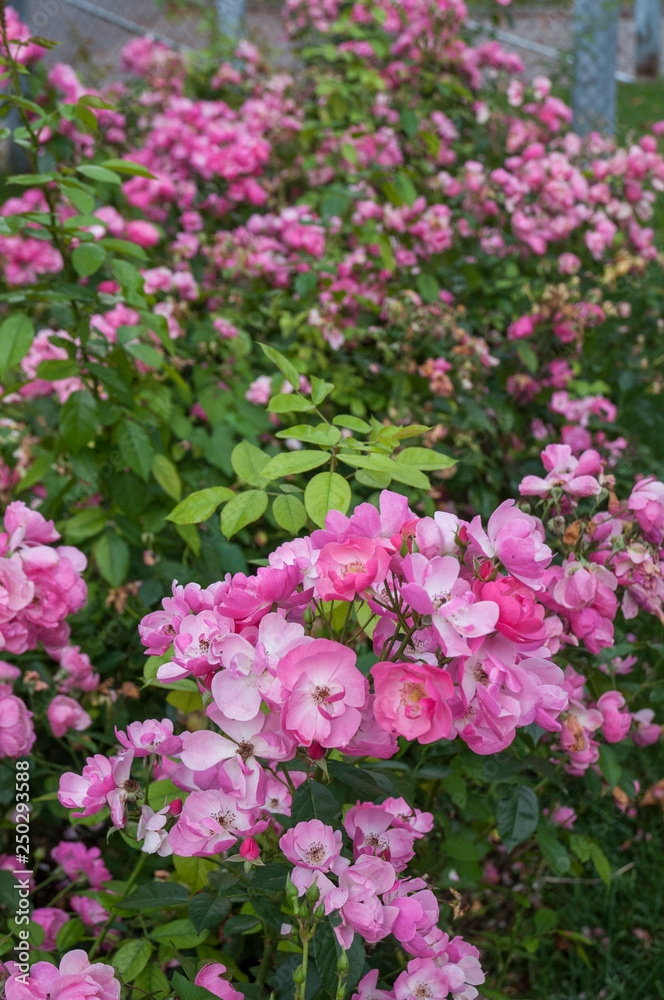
{"x":316,"y":751}
{"x":249,"y":849}
{"x":175,"y":808}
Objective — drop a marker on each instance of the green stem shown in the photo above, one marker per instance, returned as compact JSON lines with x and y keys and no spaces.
{"x":266,"y":961}
{"x":104,"y":930}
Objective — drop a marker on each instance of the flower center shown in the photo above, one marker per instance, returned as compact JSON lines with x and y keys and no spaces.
{"x":315,"y":853}
{"x":423,"y":991}
{"x":355,"y":567}
{"x":225,"y":818}
{"x":246,"y":750}
{"x":321,"y":694}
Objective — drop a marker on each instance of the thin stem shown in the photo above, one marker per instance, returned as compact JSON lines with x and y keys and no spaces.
{"x":104,"y":930}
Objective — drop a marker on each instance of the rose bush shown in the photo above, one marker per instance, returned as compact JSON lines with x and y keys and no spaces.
{"x":400,"y":325}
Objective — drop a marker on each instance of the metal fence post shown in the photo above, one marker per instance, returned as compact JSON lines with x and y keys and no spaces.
{"x":648,"y":28}
{"x":230,"y":18}
{"x":595,"y":59}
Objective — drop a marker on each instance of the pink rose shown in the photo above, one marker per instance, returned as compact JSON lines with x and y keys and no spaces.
{"x":411,"y":700}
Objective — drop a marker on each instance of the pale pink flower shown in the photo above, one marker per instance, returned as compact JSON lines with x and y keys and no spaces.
{"x":312,"y":844}
{"x":324,"y":693}
{"x":64,"y":713}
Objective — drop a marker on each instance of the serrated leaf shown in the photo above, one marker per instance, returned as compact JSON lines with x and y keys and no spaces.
{"x":131,"y":958}
{"x":153,"y":982}
{"x":111,"y":554}
{"x":314,"y":801}
{"x":136,"y":448}
{"x":289,"y":513}
{"x":242,"y":510}
{"x":325,"y":492}
{"x":194,"y":872}
{"x":167,"y":476}
{"x":248,"y":463}
{"x":294,"y":462}
{"x":186,"y":990}
{"x":199,"y":506}
{"x":78,"y":419}
{"x":286,"y":367}
{"x":517,"y":815}
{"x":208,"y":909}
{"x":157,"y":895}
{"x":70,"y":934}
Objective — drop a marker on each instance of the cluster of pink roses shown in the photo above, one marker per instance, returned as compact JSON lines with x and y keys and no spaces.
{"x":464,"y":620}
{"x":40,"y":582}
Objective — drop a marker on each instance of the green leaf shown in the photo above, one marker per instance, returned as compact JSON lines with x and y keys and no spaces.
{"x":157,"y":896}
{"x":52,"y":371}
{"x":153,"y":982}
{"x":136,"y":448}
{"x":582,"y":846}
{"x":326,"y":952}
{"x":181,"y":933}
{"x":208,"y":909}
{"x":199,"y":506}
{"x":294,"y":462}
{"x":289,"y":513}
{"x":325,"y":492}
{"x":242,"y":510}
{"x":194,"y":872}
{"x":84,"y":525}
{"x":70,"y":934}
{"x":16,"y":336}
{"x":323,"y":434}
{"x":425,"y":459}
{"x":428,"y":287}
{"x":287,"y":369}
{"x":127,"y":167}
{"x":248,"y":463}
{"x":131,"y":958}
{"x":320,"y":390}
{"x":112,"y":557}
{"x":601,"y":863}
{"x":36,"y":472}
{"x":554,"y":852}
{"x":79,"y":419}
{"x":386,"y":254}
{"x":352,"y":423}
{"x":166,"y":475}
{"x":517,"y":815}
{"x":529,"y":359}
{"x":363,"y":782}
{"x":97,"y":173}
{"x":123,"y":246}
{"x":186,"y":990}
{"x":314,"y":801}
{"x":609,"y":765}
{"x":293,"y":402}
{"x":381,"y":463}
{"x":271,"y":878}
{"x":88,"y":258}
{"x":146,"y":353}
